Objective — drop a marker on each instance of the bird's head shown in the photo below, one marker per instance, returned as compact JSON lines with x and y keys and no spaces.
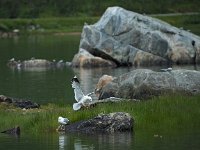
{"x":75,"y":79}
{"x":59,"y":118}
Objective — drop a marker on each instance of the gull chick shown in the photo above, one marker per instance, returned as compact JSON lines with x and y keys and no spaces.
{"x":82,"y":100}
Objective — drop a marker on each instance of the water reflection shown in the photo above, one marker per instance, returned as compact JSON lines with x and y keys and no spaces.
{"x":62,"y":141}
{"x":96,"y":141}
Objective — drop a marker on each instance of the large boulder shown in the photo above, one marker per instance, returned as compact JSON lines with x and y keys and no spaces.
{"x":144,"y":83}
{"x":104,"y":123}
{"x":129,"y":38}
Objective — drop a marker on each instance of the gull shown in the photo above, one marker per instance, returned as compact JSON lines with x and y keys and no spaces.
{"x":167,"y":70}
{"x":82,"y":100}
{"x":62,"y":121}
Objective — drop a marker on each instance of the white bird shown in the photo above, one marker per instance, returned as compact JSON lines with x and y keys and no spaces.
{"x":82,"y":100}
{"x":62,"y":121}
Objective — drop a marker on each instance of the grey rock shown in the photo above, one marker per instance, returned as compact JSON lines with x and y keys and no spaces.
{"x":129,"y":38}
{"x":144,"y":83}
{"x":104,"y":123}
{"x":34,"y":64}
{"x":86,"y":60}
{"x":27,"y":104}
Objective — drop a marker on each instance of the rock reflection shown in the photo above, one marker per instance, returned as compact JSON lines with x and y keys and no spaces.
{"x":116,"y":141}
{"x":96,"y":141}
{"x":79,"y":145}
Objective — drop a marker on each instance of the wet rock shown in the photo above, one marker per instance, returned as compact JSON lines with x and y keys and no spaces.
{"x":12,"y":131}
{"x":27,"y":104}
{"x":128,"y":38}
{"x":145,"y":83}
{"x":33,"y":63}
{"x":104,"y":80}
{"x":104,"y":123}
{"x":87,"y":60}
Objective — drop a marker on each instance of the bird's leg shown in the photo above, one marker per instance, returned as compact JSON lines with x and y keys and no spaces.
{"x":58,"y":128}
{"x":62,"y":127}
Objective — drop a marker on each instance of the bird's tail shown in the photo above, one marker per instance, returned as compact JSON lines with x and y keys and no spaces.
{"x":76,"y":106}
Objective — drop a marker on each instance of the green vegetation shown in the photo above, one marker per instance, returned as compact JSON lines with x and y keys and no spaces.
{"x":75,"y":24}
{"x":46,"y":25}
{"x":66,"y":8}
{"x":187,"y":22}
{"x":164,"y":113}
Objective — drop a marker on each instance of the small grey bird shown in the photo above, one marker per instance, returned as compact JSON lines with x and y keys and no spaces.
{"x":82,"y":100}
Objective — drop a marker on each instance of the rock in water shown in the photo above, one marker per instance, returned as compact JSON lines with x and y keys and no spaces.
{"x":12,"y":131}
{"x":27,"y":104}
{"x":104,"y":123}
{"x":144,"y":83}
{"x":128,"y":38}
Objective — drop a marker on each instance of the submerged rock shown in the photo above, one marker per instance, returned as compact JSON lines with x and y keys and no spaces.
{"x":27,"y":104}
{"x":144,"y":83}
{"x":128,"y":38}
{"x":12,"y":131}
{"x":108,"y":123}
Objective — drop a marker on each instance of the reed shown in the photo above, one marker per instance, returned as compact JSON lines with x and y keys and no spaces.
{"x":164,"y":113}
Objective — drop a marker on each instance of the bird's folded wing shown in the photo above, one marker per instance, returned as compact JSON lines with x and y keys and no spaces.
{"x":77,"y":91}
{"x":66,"y":120}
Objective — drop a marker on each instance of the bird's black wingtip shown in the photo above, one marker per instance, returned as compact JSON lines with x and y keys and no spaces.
{"x":75,"y":79}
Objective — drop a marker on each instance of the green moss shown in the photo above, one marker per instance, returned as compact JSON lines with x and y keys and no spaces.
{"x":164,"y":113}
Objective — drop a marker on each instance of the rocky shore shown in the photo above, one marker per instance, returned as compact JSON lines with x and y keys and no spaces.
{"x":21,"y":103}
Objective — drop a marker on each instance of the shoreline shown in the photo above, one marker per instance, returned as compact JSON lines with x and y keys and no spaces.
{"x":163,"y":113}
{"x":74,"y":25}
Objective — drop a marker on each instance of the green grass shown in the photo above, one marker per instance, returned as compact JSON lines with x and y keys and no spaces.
{"x":164,"y":113}
{"x":75,"y":24}
{"x":187,"y":22}
{"x":46,"y":25}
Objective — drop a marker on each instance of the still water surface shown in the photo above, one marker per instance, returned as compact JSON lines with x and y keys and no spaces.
{"x":53,"y":86}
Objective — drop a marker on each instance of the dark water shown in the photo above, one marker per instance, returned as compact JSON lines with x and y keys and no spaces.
{"x":53,"y":86}
{"x":42,"y":86}
{"x":118,"y":141}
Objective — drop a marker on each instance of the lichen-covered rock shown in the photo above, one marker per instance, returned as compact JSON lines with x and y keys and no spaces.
{"x":128,"y":38}
{"x":108,"y":123}
{"x":144,"y":83}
